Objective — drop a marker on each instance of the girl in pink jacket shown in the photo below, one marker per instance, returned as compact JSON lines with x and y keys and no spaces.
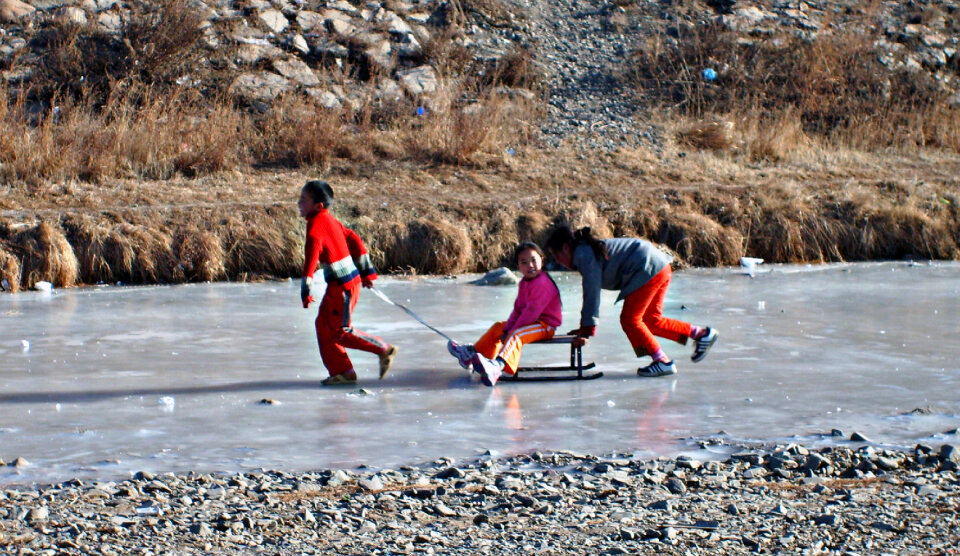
{"x":536,"y":316}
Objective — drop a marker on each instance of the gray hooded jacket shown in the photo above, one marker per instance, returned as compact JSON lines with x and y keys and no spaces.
{"x":631,"y":264}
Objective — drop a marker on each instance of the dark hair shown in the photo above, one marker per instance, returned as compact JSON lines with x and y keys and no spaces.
{"x":563,"y":235}
{"x":523,"y":247}
{"x":320,"y":191}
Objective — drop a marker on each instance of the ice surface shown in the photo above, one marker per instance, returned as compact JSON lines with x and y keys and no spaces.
{"x":121,"y":379}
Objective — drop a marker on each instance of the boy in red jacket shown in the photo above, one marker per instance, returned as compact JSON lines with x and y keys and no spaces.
{"x":346,"y":265}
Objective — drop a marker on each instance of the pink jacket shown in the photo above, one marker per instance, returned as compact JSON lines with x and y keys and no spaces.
{"x":537,"y":300}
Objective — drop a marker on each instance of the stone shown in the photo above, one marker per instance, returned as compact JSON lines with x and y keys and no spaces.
{"x":325,"y":98}
{"x":418,"y":81}
{"x":13,"y":10}
{"x":297,"y":71}
{"x":261,"y":86}
{"x":371,"y":483}
{"x":308,"y":20}
{"x":111,"y":22}
{"x":274,"y":20}
{"x":502,"y":276}
{"x":72,"y":14}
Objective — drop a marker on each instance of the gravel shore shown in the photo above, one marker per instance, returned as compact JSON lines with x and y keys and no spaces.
{"x":856,"y":500}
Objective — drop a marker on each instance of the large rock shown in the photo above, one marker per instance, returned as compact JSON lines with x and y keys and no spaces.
{"x":308,"y":20}
{"x":274,"y":20}
{"x":502,"y":276}
{"x":418,"y":81}
{"x":296,"y":70}
{"x":12,"y":10}
{"x":260,"y":87}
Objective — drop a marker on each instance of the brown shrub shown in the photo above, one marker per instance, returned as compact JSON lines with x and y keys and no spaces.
{"x":160,"y":42}
{"x":494,"y":237}
{"x":298,"y":132}
{"x":776,"y":138}
{"x":269,"y":241}
{"x":698,"y":239}
{"x":135,"y":253}
{"x":835,"y":82}
{"x":534,"y":226}
{"x":710,"y":135}
{"x":47,"y":256}
{"x":428,"y":246}
{"x":200,"y":255}
{"x":9,"y":269}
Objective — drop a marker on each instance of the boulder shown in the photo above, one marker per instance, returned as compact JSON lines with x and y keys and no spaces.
{"x":274,"y":20}
{"x":297,"y":71}
{"x":418,"y":81}
{"x":260,"y":87}
{"x":12,"y":10}
{"x":502,"y":276}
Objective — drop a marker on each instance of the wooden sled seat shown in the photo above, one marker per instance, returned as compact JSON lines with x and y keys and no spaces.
{"x":573,"y":371}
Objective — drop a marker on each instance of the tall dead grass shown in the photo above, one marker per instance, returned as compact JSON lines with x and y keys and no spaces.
{"x":160,"y":136}
{"x":793,"y":88}
{"x":886,"y":220}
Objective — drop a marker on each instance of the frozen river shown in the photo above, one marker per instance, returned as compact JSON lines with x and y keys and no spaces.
{"x":103,"y":382}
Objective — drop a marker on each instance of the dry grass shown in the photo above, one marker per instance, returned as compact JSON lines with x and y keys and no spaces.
{"x":791,"y":89}
{"x":707,"y":209}
{"x":157,"y":136}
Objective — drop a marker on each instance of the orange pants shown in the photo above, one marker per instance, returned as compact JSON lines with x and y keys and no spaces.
{"x":335,"y":330}
{"x":642,"y":316}
{"x":490,"y":346}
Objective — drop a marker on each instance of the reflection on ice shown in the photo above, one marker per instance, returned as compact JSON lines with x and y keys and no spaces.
{"x":226,"y":377}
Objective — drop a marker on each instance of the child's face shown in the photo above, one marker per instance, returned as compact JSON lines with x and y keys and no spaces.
{"x":307,"y":205}
{"x":564,"y":256}
{"x":529,"y":262}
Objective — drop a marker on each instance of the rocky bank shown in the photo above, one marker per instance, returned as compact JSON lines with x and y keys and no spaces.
{"x":846,"y":500}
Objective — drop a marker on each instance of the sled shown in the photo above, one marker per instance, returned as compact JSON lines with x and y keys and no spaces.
{"x":573,"y":371}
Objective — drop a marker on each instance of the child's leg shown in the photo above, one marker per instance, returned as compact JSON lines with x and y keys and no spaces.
{"x":328,"y":326}
{"x":489,"y":344}
{"x":347,"y":336}
{"x":659,"y":325}
{"x":510,"y":352}
{"x":642,"y":316}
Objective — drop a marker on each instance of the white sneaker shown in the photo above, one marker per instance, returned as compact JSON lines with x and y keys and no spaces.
{"x":463,"y":353}
{"x":489,"y":369}
{"x":703,"y":344}
{"x":658,"y":368}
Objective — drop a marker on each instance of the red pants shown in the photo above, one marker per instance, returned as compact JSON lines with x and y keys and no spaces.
{"x":642,"y":316}
{"x":490,"y":346}
{"x":335,"y":329}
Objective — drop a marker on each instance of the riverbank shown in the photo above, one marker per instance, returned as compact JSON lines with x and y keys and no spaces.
{"x":708,"y":208}
{"x":844,"y":500}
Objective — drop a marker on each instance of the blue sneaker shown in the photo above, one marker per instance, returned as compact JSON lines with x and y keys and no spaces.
{"x":489,"y":369}
{"x":463,"y":353}
{"x":658,"y":368}
{"x":703,"y":344}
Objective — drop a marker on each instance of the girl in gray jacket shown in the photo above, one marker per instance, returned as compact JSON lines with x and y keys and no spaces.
{"x":642,"y":274}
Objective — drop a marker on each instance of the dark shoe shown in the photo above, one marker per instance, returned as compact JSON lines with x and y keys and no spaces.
{"x":489,"y":369}
{"x":342,"y":379}
{"x":703,"y":344}
{"x":386,"y":359}
{"x":658,"y":368}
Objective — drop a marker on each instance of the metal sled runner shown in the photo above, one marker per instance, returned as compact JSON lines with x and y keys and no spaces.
{"x":573,"y":371}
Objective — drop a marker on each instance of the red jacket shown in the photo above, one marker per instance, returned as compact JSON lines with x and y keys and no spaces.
{"x":341,"y":251}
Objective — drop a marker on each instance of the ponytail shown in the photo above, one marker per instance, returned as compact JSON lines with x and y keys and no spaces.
{"x":585,"y":235}
{"x":563,"y":235}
